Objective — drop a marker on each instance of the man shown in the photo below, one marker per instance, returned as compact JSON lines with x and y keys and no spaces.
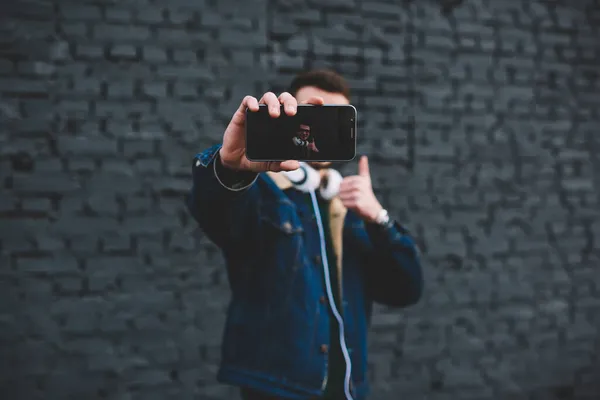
{"x":304,"y":140}
{"x":304,"y":267}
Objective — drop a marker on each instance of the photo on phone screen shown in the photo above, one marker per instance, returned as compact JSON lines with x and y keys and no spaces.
{"x":314,"y":133}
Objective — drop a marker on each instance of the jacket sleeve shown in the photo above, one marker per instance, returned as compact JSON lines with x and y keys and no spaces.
{"x":223,"y":202}
{"x":393,"y":274}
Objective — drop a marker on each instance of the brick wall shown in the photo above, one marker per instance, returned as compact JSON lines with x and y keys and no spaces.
{"x":481,"y":118}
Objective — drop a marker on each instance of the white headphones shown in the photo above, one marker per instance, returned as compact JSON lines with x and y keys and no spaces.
{"x":307,"y":179}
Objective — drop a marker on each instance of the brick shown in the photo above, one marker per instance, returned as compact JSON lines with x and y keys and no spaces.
{"x":184,"y":56}
{"x":154,"y":54}
{"x":116,"y":110}
{"x":46,"y":242}
{"x":185,"y":89}
{"x":87,"y":146}
{"x":82,"y":165}
{"x":235,"y":38}
{"x":149,"y":15}
{"x":83,"y":87}
{"x":171,"y":186}
{"x":36,"y":68}
{"x":44,"y":183}
{"x":7,"y":204}
{"x":133,"y":149}
{"x":101,"y":204}
{"x":118,"y":14}
{"x":51,"y":266}
{"x":149,"y":224}
{"x":59,"y":50}
{"x":89,"y":51}
{"x":148,"y":166}
{"x":123,"y":51}
{"x":334,"y":5}
{"x":381,"y":10}
{"x":42,"y":205}
{"x":104,"y":273}
{"x":173,"y":36}
{"x":185,"y":72}
{"x":155,"y":89}
{"x":120,"y":90}
{"x":22,"y":86}
{"x":80,"y":12}
{"x":115,"y":182}
{"x":74,"y":30}
{"x":116,"y":243}
{"x":117,"y":33}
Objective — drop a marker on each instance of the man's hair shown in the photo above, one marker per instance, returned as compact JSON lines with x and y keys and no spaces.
{"x":324,"y":79}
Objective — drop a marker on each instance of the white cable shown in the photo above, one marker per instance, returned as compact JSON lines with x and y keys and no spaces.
{"x":336,"y":313}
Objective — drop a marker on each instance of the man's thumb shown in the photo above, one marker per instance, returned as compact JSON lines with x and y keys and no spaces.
{"x":363,"y":167}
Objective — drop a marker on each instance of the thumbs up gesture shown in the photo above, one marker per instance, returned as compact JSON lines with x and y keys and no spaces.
{"x":357,"y":194}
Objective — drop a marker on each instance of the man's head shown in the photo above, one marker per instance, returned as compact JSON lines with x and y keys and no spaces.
{"x":324,"y":83}
{"x":304,"y":131}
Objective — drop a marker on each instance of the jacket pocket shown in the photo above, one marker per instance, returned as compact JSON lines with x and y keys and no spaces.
{"x":282,"y":243}
{"x":281,"y":218}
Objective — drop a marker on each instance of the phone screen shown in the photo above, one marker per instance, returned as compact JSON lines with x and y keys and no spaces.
{"x":314,"y":133}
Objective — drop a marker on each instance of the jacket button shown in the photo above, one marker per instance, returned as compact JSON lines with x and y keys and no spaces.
{"x":324,"y":348}
{"x":287,"y":227}
{"x":317,"y":259}
{"x":322,"y":299}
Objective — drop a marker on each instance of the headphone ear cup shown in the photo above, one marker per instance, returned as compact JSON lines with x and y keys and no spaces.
{"x":313,"y":180}
{"x":305,"y":178}
{"x":297,"y":176}
{"x":332,"y":184}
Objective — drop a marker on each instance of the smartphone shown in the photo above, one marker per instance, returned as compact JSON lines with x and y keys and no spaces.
{"x":314,"y":133}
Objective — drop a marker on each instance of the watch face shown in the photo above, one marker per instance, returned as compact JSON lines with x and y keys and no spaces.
{"x":383,"y":217}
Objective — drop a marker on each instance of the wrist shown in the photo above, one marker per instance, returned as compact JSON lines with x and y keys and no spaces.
{"x":382,"y":218}
{"x":374,"y":215}
{"x":225,"y":162}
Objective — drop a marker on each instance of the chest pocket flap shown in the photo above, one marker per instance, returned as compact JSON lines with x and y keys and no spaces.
{"x":281,"y":217}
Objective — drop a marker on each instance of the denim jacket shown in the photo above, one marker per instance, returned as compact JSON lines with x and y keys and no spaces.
{"x":277,"y":329}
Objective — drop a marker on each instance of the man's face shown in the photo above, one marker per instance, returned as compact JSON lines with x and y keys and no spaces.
{"x":329,"y":98}
{"x":304,"y":132}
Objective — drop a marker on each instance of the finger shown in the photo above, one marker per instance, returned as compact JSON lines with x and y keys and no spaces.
{"x":239,"y":117}
{"x":349,"y":194}
{"x":353,"y":179}
{"x":289,"y":165}
{"x":348,"y":203}
{"x":251,"y":103}
{"x":272,"y":102}
{"x":352,"y":184}
{"x":289,"y":103}
{"x":315,"y":100}
{"x":363,"y":167}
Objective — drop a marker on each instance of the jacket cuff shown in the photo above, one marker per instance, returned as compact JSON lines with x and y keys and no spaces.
{"x":231,"y":180}
{"x":392,"y":232}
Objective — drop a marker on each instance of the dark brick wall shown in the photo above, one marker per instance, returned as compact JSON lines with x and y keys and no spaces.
{"x":482,"y":121}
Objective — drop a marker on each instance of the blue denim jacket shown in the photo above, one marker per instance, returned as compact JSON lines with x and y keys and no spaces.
{"x":277,"y":329}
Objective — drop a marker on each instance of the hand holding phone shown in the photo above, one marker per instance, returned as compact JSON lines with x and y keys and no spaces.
{"x":233,"y":152}
{"x":317,"y":133}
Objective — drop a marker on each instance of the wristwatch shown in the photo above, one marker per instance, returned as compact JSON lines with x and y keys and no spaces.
{"x":383,"y":218}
